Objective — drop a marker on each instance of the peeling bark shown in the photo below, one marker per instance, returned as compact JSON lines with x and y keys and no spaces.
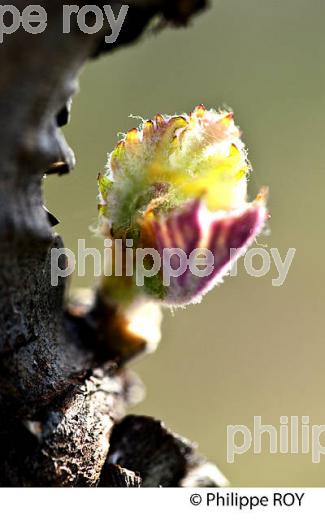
{"x":60,"y":402}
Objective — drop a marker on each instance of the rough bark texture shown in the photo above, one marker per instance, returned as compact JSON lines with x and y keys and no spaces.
{"x":59,"y":400}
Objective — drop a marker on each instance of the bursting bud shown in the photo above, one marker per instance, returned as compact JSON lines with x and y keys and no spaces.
{"x":177,"y":186}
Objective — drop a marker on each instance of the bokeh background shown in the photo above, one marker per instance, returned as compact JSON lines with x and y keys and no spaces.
{"x":250,"y":348}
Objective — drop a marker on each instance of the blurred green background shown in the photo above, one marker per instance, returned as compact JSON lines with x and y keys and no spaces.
{"x":249,"y":349}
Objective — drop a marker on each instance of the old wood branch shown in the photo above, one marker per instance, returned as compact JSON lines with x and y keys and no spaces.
{"x":59,"y":401}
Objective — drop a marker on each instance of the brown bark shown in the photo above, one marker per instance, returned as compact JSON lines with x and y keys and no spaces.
{"x":60,"y":400}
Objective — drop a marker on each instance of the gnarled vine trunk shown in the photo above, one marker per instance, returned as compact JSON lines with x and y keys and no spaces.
{"x":62,"y":404}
